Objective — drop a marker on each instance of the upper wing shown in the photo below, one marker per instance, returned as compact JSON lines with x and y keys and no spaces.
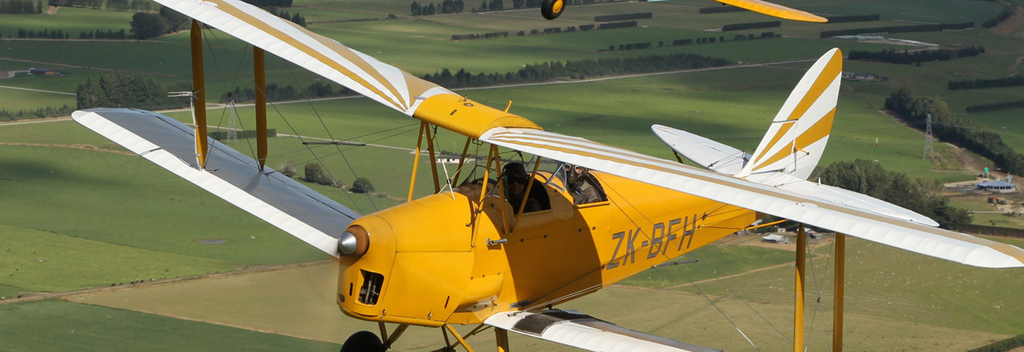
{"x":775,"y":10}
{"x":326,"y":57}
{"x":806,"y":209}
{"x":586,"y":332}
{"x":230,"y":175}
{"x":359,"y":72}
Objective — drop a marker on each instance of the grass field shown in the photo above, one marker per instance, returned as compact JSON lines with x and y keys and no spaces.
{"x":298,"y":302}
{"x":70,"y":20}
{"x":57,"y":325}
{"x":28,"y":100}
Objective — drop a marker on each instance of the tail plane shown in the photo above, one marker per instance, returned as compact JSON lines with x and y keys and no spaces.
{"x":795,"y":140}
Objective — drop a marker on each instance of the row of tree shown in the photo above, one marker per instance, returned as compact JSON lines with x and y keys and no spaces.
{"x":1002,"y":16}
{"x":906,"y":57}
{"x":44,"y":34}
{"x":446,"y":6}
{"x":1002,"y":346}
{"x":1016,"y":104}
{"x":100,"y":34}
{"x":898,"y":29}
{"x":21,"y":7}
{"x":919,"y":195}
{"x":129,"y":90}
{"x":955,"y":128}
{"x":576,"y":70}
{"x":1011,"y":81}
{"x":498,"y":5}
{"x":134,"y":5}
{"x":278,"y":93}
{"x":752,"y":25}
{"x":49,"y":111}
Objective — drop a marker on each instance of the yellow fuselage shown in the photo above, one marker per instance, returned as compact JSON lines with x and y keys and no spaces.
{"x":434,"y":260}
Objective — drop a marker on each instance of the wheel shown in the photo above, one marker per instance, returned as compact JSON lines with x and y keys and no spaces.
{"x":363,"y":341}
{"x":551,"y":9}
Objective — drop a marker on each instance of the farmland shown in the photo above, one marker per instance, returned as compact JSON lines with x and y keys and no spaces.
{"x":78,"y":212}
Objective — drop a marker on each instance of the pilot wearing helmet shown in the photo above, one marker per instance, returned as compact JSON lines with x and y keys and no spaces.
{"x":516,"y":178}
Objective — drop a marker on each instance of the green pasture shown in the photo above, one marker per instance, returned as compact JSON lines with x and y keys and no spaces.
{"x":128,"y":201}
{"x":43,"y":261}
{"x":67,"y":19}
{"x":893,"y":284}
{"x":298,"y":302}
{"x":14,"y":100}
{"x":56,"y":325}
{"x":726,"y":261}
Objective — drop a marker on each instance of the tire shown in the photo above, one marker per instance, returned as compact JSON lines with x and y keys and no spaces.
{"x":551,"y":9}
{"x":363,"y":341}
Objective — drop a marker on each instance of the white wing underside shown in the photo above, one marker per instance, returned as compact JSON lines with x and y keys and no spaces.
{"x":785,"y":203}
{"x":583,"y":331}
{"x":230,"y":175}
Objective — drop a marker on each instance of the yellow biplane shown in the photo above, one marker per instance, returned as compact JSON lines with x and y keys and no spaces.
{"x":502,"y":249}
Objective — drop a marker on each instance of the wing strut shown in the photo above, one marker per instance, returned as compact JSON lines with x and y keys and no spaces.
{"x":261,"y":105}
{"x":198,"y":95}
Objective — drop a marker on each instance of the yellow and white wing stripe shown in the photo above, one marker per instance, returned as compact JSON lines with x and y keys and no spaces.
{"x":775,"y":10}
{"x":809,"y":210}
{"x":326,"y":57}
{"x":798,"y":135}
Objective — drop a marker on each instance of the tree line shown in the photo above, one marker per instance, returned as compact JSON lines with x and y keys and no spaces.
{"x":576,"y":70}
{"x":130,"y":91}
{"x":275,"y":92}
{"x":498,"y":5}
{"x":752,"y":25}
{"x":1011,"y":81}
{"x":446,"y":6}
{"x":919,"y":195}
{"x":1002,"y":346}
{"x":1002,"y":16}
{"x":99,"y":34}
{"x":955,"y":128}
{"x":898,"y":29}
{"x":1016,"y":104}
{"x":44,"y":34}
{"x":49,"y":111}
{"x":21,"y":7}
{"x":906,"y":57}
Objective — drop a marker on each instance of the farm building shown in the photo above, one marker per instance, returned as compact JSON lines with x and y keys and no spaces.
{"x":998,"y":186}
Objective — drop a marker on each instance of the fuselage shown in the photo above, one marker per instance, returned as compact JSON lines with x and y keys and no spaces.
{"x":447,"y":258}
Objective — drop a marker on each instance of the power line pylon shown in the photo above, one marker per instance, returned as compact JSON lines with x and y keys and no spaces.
{"x":928,"y":150}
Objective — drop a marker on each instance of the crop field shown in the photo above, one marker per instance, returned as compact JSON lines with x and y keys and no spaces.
{"x":77,"y":212}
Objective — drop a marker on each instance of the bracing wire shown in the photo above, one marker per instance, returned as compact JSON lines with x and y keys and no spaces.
{"x":331,"y":136}
{"x":694,"y":284}
{"x":819,"y":287}
{"x":745,"y":302}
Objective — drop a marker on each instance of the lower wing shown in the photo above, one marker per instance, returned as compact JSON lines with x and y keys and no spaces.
{"x":583,"y":331}
{"x":230,"y":175}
